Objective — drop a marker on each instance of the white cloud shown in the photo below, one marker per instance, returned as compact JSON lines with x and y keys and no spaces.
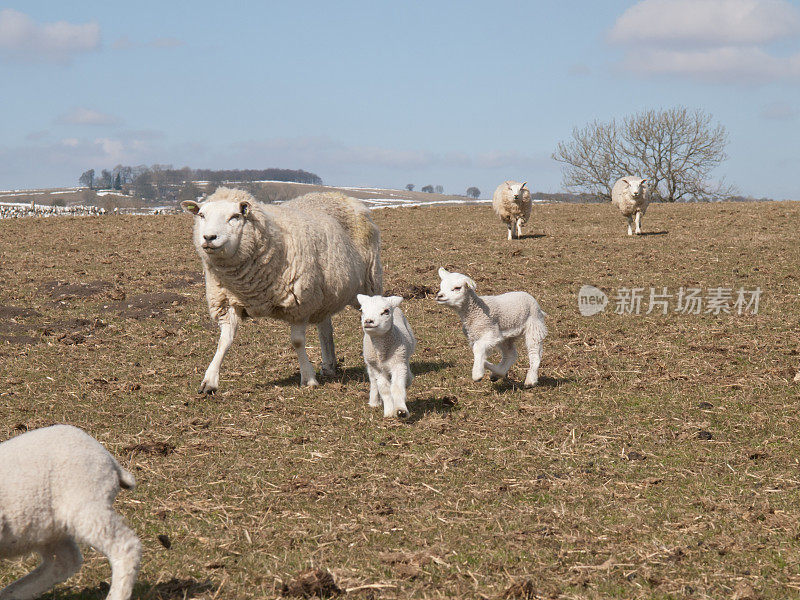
{"x":23,"y":39}
{"x":87,"y":116}
{"x":711,"y":40}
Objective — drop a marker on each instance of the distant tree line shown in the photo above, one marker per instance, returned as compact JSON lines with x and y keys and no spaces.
{"x":165,"y":183}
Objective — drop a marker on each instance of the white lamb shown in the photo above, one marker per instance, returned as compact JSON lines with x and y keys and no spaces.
{"x":57,"y":487}
{"x":300,"y":262}
{"x":495,"y":321}
{"x":631,"y":195}
{"x":388,"y":345}
{"x":512,"y":203}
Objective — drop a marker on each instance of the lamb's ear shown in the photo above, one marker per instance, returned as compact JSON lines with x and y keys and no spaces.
{"x":443,"y":272}
{"x":394,"y":301}
{"x":244,"y":207}
{"x":362,"y":298}
{"x":470,"y":283}
{"x":190,"y":206}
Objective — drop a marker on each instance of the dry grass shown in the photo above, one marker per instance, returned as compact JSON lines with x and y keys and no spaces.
{"x":596,"y":484}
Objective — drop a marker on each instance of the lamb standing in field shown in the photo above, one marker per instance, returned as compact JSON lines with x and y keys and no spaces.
{"x":57,"y":487}
{"x":495,"y":321}
{"x":631,"y":195}
{"x":301,"y":262}
{"x":388,"y":345}
{"x":512,"y":203}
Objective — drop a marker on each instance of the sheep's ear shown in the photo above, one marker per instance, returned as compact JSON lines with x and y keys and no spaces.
{"x":244,"y":207}
{"x":394,"y":301}
{"x":643,"y":181}
{"x":470,"y":283}
{"x":362,"y":298}
{"x":190,"y":206}
{"x":443,"y":272}
{"x":522,"y":186}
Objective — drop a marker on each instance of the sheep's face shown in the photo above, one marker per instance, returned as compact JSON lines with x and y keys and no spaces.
{"x":638,"y":188}
{"x":520,"y":191}
{"x":218,"y":226}
{"x":454,"y":288}
{"x":376,"y":313}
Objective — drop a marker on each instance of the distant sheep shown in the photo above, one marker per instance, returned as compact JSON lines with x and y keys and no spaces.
{"x":631,"y":195}
{"x":388,"y":345}
{"x":57,"y":487}
{"x":300,"y":262}
{"x":512,"y":203}
{"x":495,"y":321}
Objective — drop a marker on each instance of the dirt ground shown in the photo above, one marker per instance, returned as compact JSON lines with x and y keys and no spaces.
{"x":658,"y":457}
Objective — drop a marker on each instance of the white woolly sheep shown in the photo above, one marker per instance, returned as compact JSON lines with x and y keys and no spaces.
{"x":631,"y":195}
{"x":512,"y":203}
{"x":300,"y":262}
{"x":388,"y":345}
{"x":57,"y":488}
{"x":495,"y":321}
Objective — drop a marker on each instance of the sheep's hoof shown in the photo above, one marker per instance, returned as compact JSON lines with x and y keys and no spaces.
{"x":402,"y":414}
{"x":328,"y":371}
{"x":375,"y":404}
{"x":206,"y":389}
{"x":312,"y":383}
{"x":477,"y":378}
{"x":531,"y":384}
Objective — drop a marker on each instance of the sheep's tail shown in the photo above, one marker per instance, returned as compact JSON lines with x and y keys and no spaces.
{"x":126,"y":479}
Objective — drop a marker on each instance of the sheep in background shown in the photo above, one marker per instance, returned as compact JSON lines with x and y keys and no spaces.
{"x":388,"y":345}
{"x":57,"y":487}
{"x":631,"y":195}
{"x":495,"y":321}
{"x":512,"y":203}
{"x":300,"y":262}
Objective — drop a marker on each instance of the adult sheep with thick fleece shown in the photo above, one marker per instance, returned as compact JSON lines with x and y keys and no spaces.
{"x":300,"y":262}
{"x":512,"y":203}
{"x":631,"y":195}
{"x":495,"y":322}
{"x":57,"y":488}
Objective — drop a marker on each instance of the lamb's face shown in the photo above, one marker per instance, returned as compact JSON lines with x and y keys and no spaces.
{"x":218,"y":226}
{"x":376,"y":313}
{"x":453,"y":288}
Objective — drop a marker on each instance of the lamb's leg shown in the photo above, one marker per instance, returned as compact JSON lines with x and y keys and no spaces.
{"x":398,"y":391}
{"x":638,"y":222}
{"x":535,"y":346}
{"x":509,"y":356}
{"x":326,"y":347}
{"x":374,"y":400}
{"x":307,"y":374}
{"x":630,"y":226}
{"x":60,"y":560}
{"x":104,"y":530}
{"x":227,"y":331}
{"x":385,"y":390}
{"x":479,"y":351}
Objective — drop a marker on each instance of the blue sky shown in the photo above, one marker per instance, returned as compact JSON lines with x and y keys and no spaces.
{"x":387,"y":93}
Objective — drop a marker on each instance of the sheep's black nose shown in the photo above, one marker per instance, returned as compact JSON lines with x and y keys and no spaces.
{"x":368,"y":322}
{"x":210,"y":236}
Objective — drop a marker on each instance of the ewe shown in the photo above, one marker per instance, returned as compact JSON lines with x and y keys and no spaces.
{"x":631,"y":195}
{"x":300,"y":262}
{"x":495,"y":321}
{"x":512,"y":203}
{"x":388,"y":345}
{"x":57,"y":487}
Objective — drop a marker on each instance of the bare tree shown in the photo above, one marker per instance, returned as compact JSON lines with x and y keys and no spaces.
{"x":87,"y":178}
{"x":473,"y":192}
{"x":439,"y":189}
{"x":675,"y":149}
{"x":410,"y":187}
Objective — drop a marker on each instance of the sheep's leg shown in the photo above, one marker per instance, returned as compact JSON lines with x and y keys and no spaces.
{"x":227,"y":330}
{"x":374,"y":400}
{"x":630,"y":225}
{"x":519,"y":228}
{"x":398,"y":391}
{"x":60,"y":560}
{"x":104,"y":530}
{"x":326,"y":347}
{"x":385,"y":390}
{"x":638,"y":222}
{"x":535,"y":346}
{"x":308,"y":376}
{"x":509,"y":356}
{"x":510,"y":230}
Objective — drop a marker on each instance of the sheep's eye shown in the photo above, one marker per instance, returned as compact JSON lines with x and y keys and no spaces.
{"x":458,"y":287}
{"x":201,"y":215}
{"x":385,"y":311}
